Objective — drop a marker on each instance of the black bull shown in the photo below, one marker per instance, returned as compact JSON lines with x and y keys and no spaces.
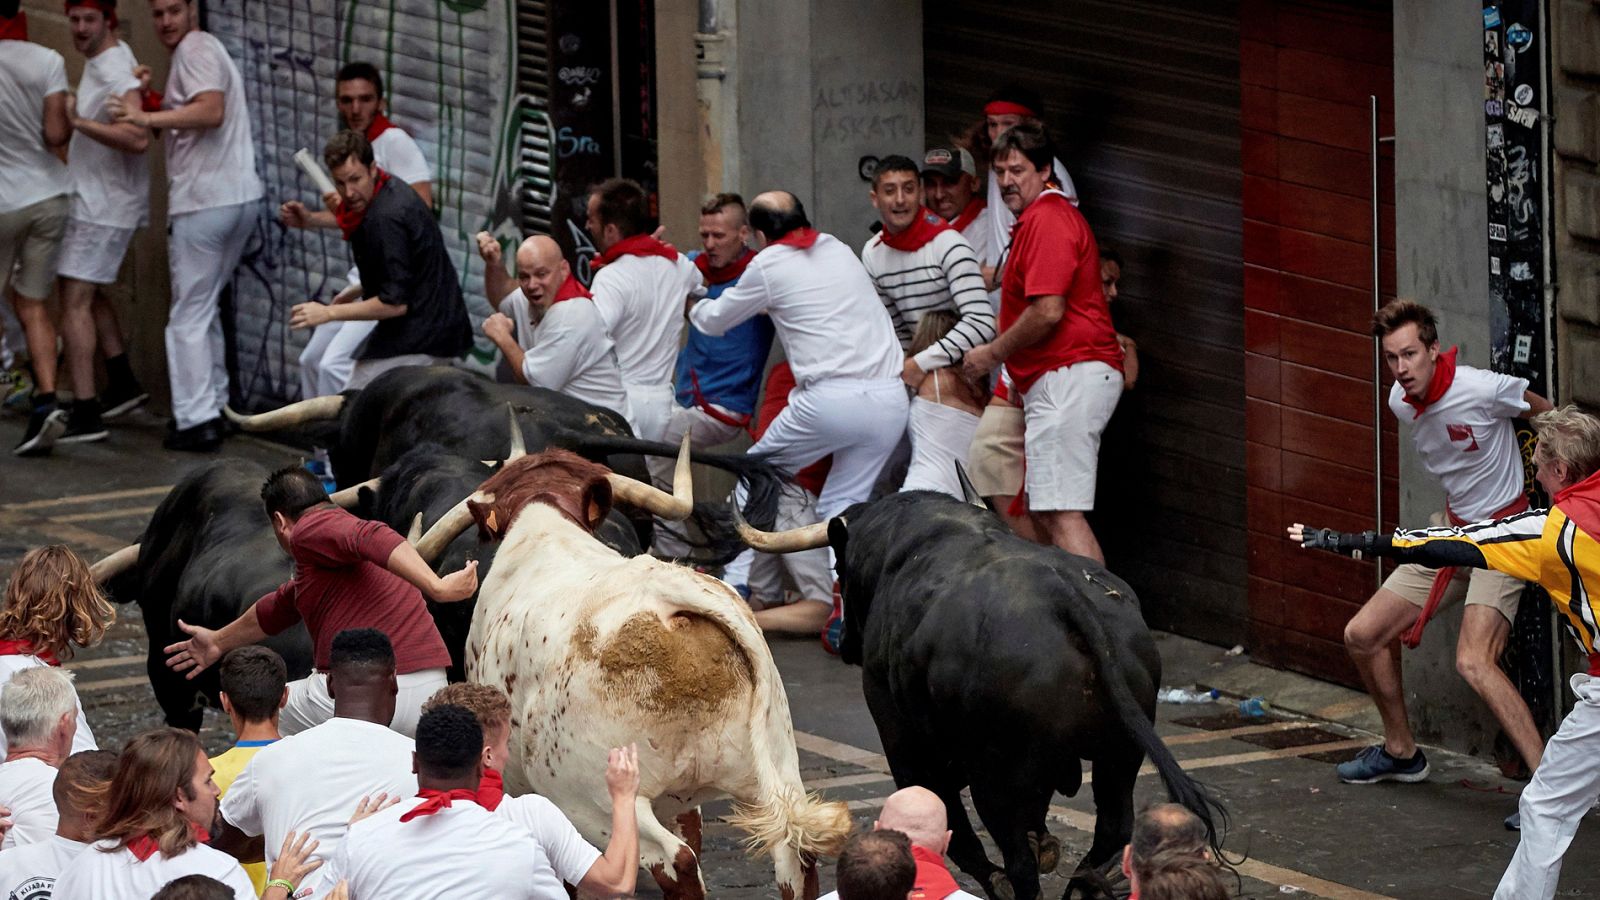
{"x":997,"y":663}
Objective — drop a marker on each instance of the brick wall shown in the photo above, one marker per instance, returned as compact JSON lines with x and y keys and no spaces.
{"x":1307,"y":71}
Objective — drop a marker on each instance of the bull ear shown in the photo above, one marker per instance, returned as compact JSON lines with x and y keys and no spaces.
{"x":488,"y":518}
{"x":597,"y":503}
{"x":838,"y":534}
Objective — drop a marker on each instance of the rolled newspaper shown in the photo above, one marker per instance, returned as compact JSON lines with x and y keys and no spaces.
{"x":313,"y":169}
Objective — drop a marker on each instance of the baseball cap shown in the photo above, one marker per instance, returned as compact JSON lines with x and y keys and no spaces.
{"x":951,"y":162}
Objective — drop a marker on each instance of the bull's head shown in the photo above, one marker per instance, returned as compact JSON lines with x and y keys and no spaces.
{"x":583,"y":491}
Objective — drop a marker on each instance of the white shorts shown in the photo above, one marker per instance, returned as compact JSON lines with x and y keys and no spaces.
{"x":1064,"y":413}
{"x":310,"y":705}
{"x":93,"y":252}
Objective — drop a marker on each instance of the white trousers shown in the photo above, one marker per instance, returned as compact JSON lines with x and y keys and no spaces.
{"x":309,"y":704}
{"x":808,"y":569}
{"x":330,"y":357}
{"x":858,"y":422}
{"x":704,"y":432}
{"x":650,"y":407}
{"x":202,"y":252}
{"x":1563,"y":788}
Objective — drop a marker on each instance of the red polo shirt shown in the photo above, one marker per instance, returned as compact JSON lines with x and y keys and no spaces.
{"x":341,"y":581}
{"x":1053,"y":252}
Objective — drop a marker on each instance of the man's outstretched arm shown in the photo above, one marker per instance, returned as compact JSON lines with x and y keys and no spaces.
{"x":1513,"y":545}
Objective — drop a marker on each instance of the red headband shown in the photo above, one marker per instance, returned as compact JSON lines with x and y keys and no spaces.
{"x":1007,"y":108}
{"x":106,"y":7}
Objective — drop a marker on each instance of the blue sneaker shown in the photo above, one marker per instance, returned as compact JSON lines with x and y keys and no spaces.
{"x":324,"y":474}
{"x":833,"y":631}
{"x":1374,"y":764}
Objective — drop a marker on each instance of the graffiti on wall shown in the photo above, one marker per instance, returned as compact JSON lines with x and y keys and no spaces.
{"x":439,"y":60}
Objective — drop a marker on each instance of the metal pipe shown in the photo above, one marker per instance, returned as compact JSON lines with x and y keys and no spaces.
{"x":1377,"y":345}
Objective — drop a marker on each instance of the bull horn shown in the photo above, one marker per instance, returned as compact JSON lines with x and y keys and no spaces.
{"x":675,"y":506}
{"x":519,"y":444}
{"x":447,"y":529}
{"x":350,"y":496}
{"x":291,"y":416}
{"x":968,"y":492}
{"x":415,"y":534}
{"x":115,"y":564}
{"x":806,"y":537}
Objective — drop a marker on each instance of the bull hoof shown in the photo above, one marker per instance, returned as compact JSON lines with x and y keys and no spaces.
{"x":1048,"y":851}
{"x":1000,"y":886}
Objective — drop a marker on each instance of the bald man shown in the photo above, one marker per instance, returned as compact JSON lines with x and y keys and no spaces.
{"x":919,"y":814}
{"x":547,"y":326}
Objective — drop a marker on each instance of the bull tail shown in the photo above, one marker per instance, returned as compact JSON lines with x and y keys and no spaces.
{"x":1181,"y":789}
{"x":801,"y":820}
{"x":782,"y":813}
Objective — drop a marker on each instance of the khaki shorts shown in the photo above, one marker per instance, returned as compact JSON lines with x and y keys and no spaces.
{"x":995,"y":462}
{"x":30,"y":240}
{"x":1480,"y":587}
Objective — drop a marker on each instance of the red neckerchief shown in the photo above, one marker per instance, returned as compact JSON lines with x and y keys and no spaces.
{"x":491,"y":789}
{"x":14,"y":28}
{"x":638,"y":245}
{"x":569,"y":289}
{"x":144,"y":846}
{"x":934,"y":881}
{"x":433,"y":801}
{"x":974,"y":206}
{"x":924,"y":228}
{"x":379,"y":124}
{"x":801,"y":238}
{"x":23,"y":648}
{"x":348,"y":221}
{"x":1444,"y":374}
{"x":723,"y":274}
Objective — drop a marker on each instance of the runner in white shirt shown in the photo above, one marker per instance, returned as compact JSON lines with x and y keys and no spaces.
{"x":153,"y":829}
{"x":111,"y":186}
{"x":547,"y":326}
{"x":441,"y":843}
{"x":212,"y":205}
{"x":1460,"y":420}
{"x":575,"y":861}
{"x":330,"y":356}
{"x":29,"y":872}
{"x":1009,"y":106}
{"x":38,"y":711}
{"x":34,"y":196}
{"x":640,"y":287}
{"x":849,"y":400}
{"x":313,"y":781}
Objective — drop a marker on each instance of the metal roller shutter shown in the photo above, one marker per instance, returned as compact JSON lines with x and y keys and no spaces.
{"x":1143,"y":96}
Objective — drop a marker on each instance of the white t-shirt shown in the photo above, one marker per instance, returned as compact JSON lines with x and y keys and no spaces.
{"x":641,"y":299}
{"x":112,"y":187}
{"x":568,"y":351}
{"x":396,"y":153}
{"x":11,"y":665}
{"x":29,"y":172}
{"x":461,"y":851}
{"x":119,"y":875}
{"x":209,"y":167}
{"x":569,"y":854}
{"x":25,"y":790}
{"x":823,"y":306}
{"x":312,"y":782}
{"x":980,"y":234}
{"x":1467,"y":441}
{"x":1001,"y":218}
{"x":30,"y":872}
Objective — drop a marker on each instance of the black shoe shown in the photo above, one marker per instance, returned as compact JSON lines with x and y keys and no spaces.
{"x":44,"y":426}
{"x":121,"y":398}
{"x":203,"y":438}
{"x":83,"y":424}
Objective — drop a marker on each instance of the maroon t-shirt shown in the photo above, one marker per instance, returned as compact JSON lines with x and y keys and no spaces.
{"x":341,"y":581}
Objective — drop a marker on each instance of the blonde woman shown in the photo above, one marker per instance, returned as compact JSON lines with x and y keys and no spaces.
{"x":52,"y":607}
{"x":944,"y":416}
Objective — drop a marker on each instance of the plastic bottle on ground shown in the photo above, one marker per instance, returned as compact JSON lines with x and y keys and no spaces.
{"x":1187,"y":695}
{"x":1254,"y":707}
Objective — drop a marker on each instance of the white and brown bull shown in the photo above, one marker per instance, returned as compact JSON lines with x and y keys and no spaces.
{"x":597,"y":650}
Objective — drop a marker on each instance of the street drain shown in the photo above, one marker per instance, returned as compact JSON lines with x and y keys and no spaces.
{"x":1291,"y":737}
{"x":1225,"y":720}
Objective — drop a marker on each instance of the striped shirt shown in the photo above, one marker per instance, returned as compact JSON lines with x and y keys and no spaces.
{"x":1555,"y":547}
{"x":941,"y":274}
